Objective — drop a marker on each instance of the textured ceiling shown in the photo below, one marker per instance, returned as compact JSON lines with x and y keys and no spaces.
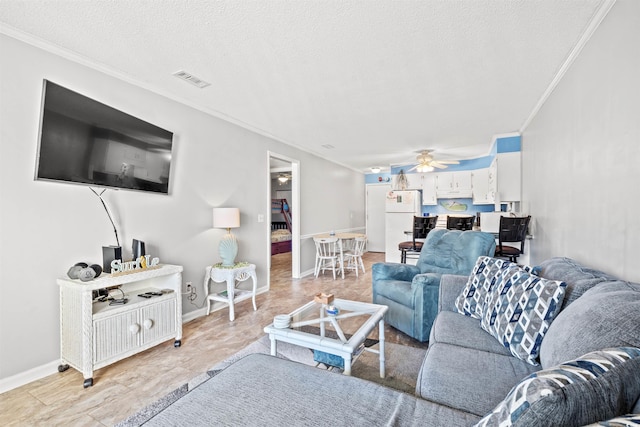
{"x":376,"y":79}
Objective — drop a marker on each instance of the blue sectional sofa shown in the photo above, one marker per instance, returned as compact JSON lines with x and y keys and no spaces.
{"x":588,"y":367}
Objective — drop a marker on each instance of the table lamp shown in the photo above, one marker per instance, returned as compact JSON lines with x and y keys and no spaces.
{"x":227,"y":218}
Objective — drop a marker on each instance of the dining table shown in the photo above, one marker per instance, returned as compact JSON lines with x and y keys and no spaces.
{"x":342,"y":238}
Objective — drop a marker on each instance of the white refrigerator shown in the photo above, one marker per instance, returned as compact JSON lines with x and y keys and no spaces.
{"x":400,"y":208}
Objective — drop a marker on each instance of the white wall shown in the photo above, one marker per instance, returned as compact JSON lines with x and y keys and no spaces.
{"x":581,"y":154}
{"x":47,"y":227}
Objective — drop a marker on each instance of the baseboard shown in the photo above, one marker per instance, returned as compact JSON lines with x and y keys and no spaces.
{"x":31,"y":375}
{"x":307,"y":273}
{"x":51,"y":368}
{"x":193,"y":315}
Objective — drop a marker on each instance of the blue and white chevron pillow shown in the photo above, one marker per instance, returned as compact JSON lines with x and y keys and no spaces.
{"x":598,"y":386}
{"x":483,"y":278}
{"x":519,"y":309}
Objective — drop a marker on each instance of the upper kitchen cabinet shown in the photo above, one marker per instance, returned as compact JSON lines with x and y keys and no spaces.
{"x":414,"y":181}
{"x":509,"y":176}
{"x":429,"y":193}
{"x":485,"y":185}
{"x":453,"y":184}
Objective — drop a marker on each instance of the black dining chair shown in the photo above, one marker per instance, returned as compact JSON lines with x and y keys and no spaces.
{"x":463,"y":223}
{"x":422,"y":225}
{"x":512,"y":230}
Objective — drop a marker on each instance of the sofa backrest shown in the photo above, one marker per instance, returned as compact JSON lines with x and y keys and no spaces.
{"x":605,"y":316}
{"x":598,"y":311}
{"x":454,"y":251}
{"x":578,"y":278}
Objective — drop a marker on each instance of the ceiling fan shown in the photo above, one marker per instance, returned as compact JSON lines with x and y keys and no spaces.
{"x":426,"y":162}
{"x":283,"y":177}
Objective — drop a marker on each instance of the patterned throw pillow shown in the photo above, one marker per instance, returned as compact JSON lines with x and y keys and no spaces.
{"x":597,"y":386}
{"x":519,"y":309}
{"x":481,"y":280}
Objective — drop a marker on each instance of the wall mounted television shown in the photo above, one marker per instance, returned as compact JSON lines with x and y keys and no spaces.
{"x":83,"y":141}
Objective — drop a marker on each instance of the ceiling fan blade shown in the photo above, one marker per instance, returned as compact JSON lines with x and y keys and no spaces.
{"x":438,"y":165}
{"x":415,"y":167}
{"x":448,"y":162}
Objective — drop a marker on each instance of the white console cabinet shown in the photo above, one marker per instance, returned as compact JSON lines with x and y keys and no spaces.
{"x":96,"y":334}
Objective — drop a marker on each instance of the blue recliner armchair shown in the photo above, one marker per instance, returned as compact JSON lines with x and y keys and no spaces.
{"x":411,"y":292}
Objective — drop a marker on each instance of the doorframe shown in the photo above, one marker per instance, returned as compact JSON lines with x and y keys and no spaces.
{"x":295,"y":212}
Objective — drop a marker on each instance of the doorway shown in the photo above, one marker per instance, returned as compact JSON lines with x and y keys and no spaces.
{"x":284,"y":216}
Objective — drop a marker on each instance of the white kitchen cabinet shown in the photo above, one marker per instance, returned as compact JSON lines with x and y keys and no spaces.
{"x":509,"y":176}
{"x":94,"y":334}
{"x":414,"y":181}
{"x":485,"y":185}
{"x":453,"y":184}
{"x":429,"y":193}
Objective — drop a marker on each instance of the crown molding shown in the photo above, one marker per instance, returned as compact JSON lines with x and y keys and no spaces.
{"x":595,"y":22}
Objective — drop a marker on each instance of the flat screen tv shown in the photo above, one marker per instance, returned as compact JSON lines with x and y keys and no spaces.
{"x":83,"y":141}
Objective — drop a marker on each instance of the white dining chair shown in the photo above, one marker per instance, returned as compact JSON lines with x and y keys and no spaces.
{"x":327,"y":254}
{"x":353,"y":257}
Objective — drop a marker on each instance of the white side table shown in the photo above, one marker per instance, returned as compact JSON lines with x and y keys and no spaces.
{"x":233,"y":276}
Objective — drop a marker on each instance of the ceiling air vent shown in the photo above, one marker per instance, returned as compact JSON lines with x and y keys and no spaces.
{"x":191,"y":79}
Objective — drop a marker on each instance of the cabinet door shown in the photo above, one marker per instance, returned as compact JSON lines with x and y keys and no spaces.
{"x":115,"y":335}
{"x":509,"y":176}
{"x":158,"y":321}
{"x":444,"y":183}
{"x":414,"y":181}
{"x":462,"y":183}
{"x":480,"y":186}
{"x":429,"y":194}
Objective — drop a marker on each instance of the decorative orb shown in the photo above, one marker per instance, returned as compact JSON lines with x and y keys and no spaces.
{"x":97,"y":269}
{"x":87,"y":274}
{"x":74,"y":272}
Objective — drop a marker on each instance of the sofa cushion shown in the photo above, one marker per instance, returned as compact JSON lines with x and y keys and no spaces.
{"x":482,"y":279}
{"x":578,"y":278}
{"x":607,"y":315}
{"x":597,"y":386}
{"x":262,"y":390}
{"x":454,"y":328}
{"x":519,"y":310}
{"x":468,"y":379}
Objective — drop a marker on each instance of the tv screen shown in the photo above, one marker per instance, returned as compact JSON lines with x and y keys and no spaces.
{"x":83,"y":141}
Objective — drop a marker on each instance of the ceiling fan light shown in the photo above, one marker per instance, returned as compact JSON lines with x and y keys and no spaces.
{"x":425,"y":168}
{"x":283,"y":179}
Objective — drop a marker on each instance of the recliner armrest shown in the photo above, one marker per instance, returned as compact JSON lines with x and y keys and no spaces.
{"x":425,"y":279}
{"x":451,"y":287}
{"x":393,"y":271}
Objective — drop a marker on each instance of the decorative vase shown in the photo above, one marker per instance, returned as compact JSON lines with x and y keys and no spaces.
{"x":228,"y":249}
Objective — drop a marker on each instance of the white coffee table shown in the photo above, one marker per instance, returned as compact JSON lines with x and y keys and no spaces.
{"x":356,"y":319}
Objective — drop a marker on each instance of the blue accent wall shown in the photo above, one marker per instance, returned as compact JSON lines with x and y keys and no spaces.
{"x":508,"y":144}
{"x":471,"y":209}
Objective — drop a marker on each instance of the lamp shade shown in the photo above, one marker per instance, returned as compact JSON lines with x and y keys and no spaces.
{"x":226,"y":217}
